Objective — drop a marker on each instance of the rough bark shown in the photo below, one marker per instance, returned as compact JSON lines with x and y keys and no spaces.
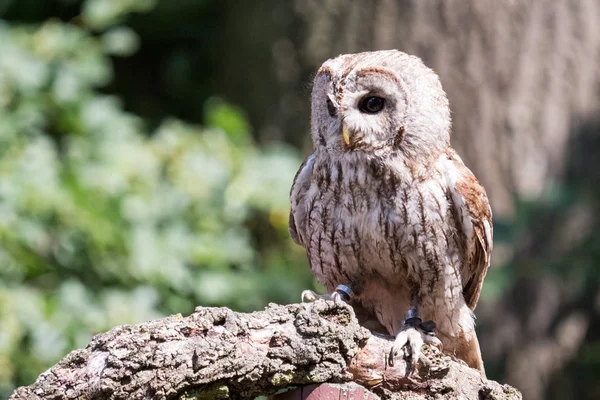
{"x":217,"y":353}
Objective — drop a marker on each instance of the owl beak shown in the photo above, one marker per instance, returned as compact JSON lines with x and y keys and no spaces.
{"x":345,"y":135}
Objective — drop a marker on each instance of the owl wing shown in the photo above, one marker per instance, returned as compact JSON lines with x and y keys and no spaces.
{"x":474,"y":216}
{"x":297,"y":193}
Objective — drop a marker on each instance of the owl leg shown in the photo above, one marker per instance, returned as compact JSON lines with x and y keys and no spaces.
{"x":341,"y":293}
{"x":413,"y":334}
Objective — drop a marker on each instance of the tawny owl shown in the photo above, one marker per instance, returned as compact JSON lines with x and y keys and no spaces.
{"x":385,"y":207}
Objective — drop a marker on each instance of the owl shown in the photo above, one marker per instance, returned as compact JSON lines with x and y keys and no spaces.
{"x":390,"y":217}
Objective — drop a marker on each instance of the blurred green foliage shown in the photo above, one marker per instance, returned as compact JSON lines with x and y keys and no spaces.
{"x":104,"y":220}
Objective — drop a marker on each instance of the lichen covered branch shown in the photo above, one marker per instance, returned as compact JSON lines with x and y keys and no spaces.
{"x":217,"y":353}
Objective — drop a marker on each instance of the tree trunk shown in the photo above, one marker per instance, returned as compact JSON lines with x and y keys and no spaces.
{"x":519,"y":74}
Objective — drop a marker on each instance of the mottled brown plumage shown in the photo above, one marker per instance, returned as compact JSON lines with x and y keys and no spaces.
{"x":385,"y":205}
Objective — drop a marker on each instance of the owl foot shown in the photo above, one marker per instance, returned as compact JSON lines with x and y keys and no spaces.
{"x":412,"y":336}
{"x":342,"y":293}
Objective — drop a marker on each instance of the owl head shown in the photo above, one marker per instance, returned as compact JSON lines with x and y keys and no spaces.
{"x":379,"y":102}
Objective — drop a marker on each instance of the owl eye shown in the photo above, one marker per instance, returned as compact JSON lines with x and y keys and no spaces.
{"x":331,"y":108}
{"x":371,"y":104}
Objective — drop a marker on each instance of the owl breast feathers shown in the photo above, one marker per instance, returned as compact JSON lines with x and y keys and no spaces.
{"x":385,"y":204}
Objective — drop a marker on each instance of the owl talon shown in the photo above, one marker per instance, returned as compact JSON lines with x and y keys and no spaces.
{"x":337,"y":298}
{"x":342,"y":294}
{"x":411,"y":338}
{"x":309,"y":296}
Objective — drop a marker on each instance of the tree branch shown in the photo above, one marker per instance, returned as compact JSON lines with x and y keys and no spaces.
{"x":217,"y":353}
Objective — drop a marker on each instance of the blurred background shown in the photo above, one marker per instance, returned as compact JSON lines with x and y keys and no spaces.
{"x":147,"y":148}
